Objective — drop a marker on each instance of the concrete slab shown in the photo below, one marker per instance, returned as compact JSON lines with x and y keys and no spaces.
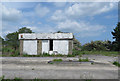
{"x":37,"y":67}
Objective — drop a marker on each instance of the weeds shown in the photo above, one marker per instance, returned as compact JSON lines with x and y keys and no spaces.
{"x":51,"y":63}
{"x":70,"y":55}
{"x":116,"y":63}
{"x":84,"y":60}
{"x":1,"y":78}
{"x":58,"y":60}
{"x":92,"y":63}
{"x":33,"y":69}
{"x":9,"y":51}
{"x":15,"y":79}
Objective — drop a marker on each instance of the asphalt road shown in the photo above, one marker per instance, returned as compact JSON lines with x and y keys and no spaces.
{"x":37,"y":67}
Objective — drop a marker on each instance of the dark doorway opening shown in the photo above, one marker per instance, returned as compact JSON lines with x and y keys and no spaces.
{"x":51,"y":45}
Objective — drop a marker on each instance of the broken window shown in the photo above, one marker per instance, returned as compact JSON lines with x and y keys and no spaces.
{"x":51,"y":45}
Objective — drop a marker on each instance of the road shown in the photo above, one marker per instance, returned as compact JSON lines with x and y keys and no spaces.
{"x":37,"y":67}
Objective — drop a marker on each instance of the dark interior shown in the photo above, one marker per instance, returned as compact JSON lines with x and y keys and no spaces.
{"x":51,"y":45}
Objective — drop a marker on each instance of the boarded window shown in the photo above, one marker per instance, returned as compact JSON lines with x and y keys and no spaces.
{"x":51,"y":45}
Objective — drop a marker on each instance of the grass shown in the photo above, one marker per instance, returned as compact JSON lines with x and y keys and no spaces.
{"x":57,"y":60}
{"x":1,"y":78}
{"x":10,"y":52}
{"x":105,"y":53}
{"x":20,"y":79}
{"x":84,"y":60}
{"x":116,"y":63}
{"x":15,"y":79}
{"x":51,"y":63}
{"x":71,"y":55}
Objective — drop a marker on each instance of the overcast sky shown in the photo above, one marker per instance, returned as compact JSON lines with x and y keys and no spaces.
{"x":86,"y":20}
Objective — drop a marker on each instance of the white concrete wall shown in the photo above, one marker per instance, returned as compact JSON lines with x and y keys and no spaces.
{"x":45,"y":46}
{"x":46,"y":35}
{"x":30,"y":47}
{"x":61,"y":46}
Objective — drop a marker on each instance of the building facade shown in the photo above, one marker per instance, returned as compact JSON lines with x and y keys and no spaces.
{"x":52,"y":43}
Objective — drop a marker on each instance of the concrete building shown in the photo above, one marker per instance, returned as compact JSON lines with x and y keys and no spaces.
{"x":52,"y":43}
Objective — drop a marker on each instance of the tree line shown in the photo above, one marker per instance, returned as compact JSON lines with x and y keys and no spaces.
{"x":11,"y":42}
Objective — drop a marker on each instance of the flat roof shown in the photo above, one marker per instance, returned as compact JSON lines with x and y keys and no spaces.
{"x":45,"y":36}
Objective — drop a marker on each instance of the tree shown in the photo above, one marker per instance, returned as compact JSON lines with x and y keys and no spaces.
{"x":1,"y":42}
{"x":116,"y":36}
{"x":12,"y":38}
{"x":97,"y":46}
{"x":59,"y":32}
{"x":76,"y":44}
{"x":25,"y":30}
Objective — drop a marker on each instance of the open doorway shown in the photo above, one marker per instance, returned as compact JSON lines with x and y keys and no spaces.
{"x":51,"y":45}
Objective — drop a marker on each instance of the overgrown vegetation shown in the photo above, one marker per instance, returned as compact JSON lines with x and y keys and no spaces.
{"x":10,"y":45}
{"x":116,"y":63}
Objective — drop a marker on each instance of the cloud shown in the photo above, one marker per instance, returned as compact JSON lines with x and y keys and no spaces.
{"x":78,"y":26}
{"x":58,"y":16}
{"x":19,"y":5}
{"x":59,"y":4}
{"x":111,"y":16}
{"x":27,"y":22}
{"x":70,"y":18}
{"x":84,"y":28}
{"x":88,"y":9}
{"x":11,"y":14}
{"x":78,"y":10}
{"x":42,"y":29}
{"x":41,"y":11}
